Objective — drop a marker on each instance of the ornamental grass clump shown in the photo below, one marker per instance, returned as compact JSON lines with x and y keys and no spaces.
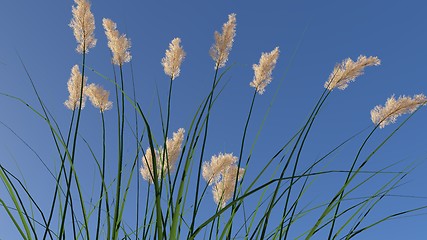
{"x":149,"y":185}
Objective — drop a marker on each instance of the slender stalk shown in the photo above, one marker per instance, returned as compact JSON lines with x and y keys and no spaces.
{"x":102,"y":181}
{"x":332,"y":203}
{"x":62,"y":169}
{"x":116,"y":220}
{"x":203,"y":151}
{"x":45,"y":117}
{"x":16,"y":198}
{"x":72,"y":160}
{"x":165,"y":157}
{"x":348,"y":178}
{"x":296,"y":164}
{"x":310,"y":119}
{"x":240,"y":159}
{"x":157,"y":190}
{"x":137,"y":156}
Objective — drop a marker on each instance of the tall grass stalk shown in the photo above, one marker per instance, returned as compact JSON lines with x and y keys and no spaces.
{"x":187,"y":196}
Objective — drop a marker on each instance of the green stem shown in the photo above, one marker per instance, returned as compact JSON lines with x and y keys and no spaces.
{"x":62,"y":169}
{"x":103,"y":183}
{"x":117,"y":221}
{"x":203,"y":151}
{"x":240,"y":160}
{"x":73,"y":158}
{"x":310,"y":120}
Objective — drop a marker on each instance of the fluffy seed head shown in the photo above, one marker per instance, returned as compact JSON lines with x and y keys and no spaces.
{"x":218,"y":165}
{"x":83,"y":25}
{"x":99,"y":97}
{"x":223,"y":42}
{"x":394,"y":108}
{"x":146,"y":169}
{"x":223,"y":190}
{"x":263,"y":71}
{"x":347,"y":71}
{"x":74,"y":85}
{"x":118,"y":44}
{"x":173,"y":147}
{"x":173,"y":58}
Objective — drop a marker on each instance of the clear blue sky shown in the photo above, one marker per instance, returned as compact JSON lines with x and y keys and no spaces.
{"x":312,"y":35}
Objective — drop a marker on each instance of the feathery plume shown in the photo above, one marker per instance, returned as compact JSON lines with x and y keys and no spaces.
{"x":347,"y":71}
{"x":223,"y":190}
{"x":263,"y":71}
{"x":146,"y":169}
{"x":173,"y":59}
{"x":83,"y":25}
{"x":99,"y":97}
{"x":218,"y":165}
{"x":222,"y":172}
{"x":173,"y":147}
{"x":394,"y":108}
{"x":118,"y":44}
{"x":223,"y":42}
{"x":74,"y":88}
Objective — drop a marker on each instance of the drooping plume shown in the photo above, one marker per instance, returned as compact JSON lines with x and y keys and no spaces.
{"x":118,"y":44}
{"x":83,"y":25}
{"x":347,"y":71}
{"x":99,"y":97}
{"x":74,"y":85}
{"x":394,"y":108}
{"x":224,"y":42}
{"x":263,"y":71}
{"x":173,"y":58}
{"x":173,"y":147}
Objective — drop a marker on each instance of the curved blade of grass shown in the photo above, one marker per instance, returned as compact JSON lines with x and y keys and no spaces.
{"x":18,"y":205}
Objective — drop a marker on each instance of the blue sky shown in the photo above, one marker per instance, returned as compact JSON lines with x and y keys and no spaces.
{"x":312,"y":35}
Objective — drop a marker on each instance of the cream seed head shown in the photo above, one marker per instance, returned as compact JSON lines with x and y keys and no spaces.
{"x":348,"y":70}
{"x":223,"y":190}
{"x":74,"y":85}
{"x":99,"y":97}
{"x":394,"y":108}
{"x":219,"y":164}
{"x":118,"y":44}
{"x":173,"y":147}
{"x":173,"y":58}
{"x":263,"y":71}
{"x":83,"y":25}
{"x":222,"y":172}
{"x":224,"y":42}
{"x":146,"y":169}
